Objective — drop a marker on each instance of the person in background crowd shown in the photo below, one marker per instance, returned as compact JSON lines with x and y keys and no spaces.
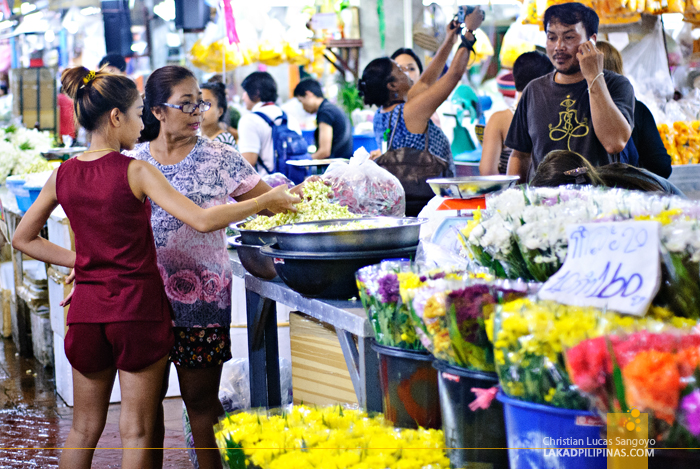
{"x":579,"y":107}
{"x":120,"y":316}
{"x":645,"y":149}
{"x":195,"y":266}
{"x":407,"y":107}
{"x":494,"y":155}
{"x":113,"y":63}
{"x":333,"y":128}
{"x":564,"y":167}
{"x":215,"y":93}
{"x":409,"y":63}
{"x":254,"y":134}
{"x":230,"y":125}
{"x":66,"y":115}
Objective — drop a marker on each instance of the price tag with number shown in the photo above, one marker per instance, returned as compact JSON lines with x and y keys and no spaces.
{"x":609,"y":265}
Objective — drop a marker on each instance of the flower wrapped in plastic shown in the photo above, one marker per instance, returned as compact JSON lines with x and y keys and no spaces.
{"x":529,"y":338}
{"x":654,"y":372}
{"x":389,"y":316}
{"x":522,"y":233}
{"x":333,"y":437}
{"x":452,"y":316}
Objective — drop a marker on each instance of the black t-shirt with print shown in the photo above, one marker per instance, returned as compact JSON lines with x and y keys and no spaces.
{"x":342,"y":130}
{"x":552,"y":116}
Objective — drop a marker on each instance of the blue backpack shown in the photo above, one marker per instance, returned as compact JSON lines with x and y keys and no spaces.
{"x":287,"y":145}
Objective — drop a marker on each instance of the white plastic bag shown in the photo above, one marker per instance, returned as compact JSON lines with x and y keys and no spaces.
{"x":646,"y":64}
{"x":234,"y":391}
{"x":365,"y":188}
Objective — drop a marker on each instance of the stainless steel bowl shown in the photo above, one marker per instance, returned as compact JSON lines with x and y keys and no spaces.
{"x":327,"y":274}
{"x":470,"y":186}
{"x":254,"y":237}
{"x":253,"y":261}
{"x":400,"y":233}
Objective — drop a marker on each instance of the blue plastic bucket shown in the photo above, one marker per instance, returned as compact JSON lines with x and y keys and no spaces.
{"x":536,"y":431}
{"x":475,"y":438}
{"x":33,"y":193}
{"x":364,"y":140}
{"x":15,"y":184}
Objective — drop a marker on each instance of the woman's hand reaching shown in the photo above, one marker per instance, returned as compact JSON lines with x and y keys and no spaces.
{"x":279,"y":200}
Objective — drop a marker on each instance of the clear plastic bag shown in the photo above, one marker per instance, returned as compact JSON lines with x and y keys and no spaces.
{"x":277,"y":179}
{"x":234,"y":391}
{"x":365,"y":188}
{"x":647,"y":64}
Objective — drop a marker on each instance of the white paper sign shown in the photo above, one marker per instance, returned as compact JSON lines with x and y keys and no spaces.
{"x":613,"y":265}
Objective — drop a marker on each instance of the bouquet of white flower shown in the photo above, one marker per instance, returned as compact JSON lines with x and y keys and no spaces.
{"x":20,"y":151}
{"x":522,"y":234}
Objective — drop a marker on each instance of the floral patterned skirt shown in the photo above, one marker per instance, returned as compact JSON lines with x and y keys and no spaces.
{"x":198,"y":347}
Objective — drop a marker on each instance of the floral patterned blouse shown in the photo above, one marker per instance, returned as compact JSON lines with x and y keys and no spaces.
{"x":195,"y":266}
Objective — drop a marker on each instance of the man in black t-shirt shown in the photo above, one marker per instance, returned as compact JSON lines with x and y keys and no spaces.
{"x":333,"y":131}
{"x":579,"y":106}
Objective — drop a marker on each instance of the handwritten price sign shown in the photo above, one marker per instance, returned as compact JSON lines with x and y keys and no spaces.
{"x":613,"y":265}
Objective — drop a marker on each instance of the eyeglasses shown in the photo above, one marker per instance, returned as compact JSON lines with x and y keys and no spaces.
{"x":189,"y":108}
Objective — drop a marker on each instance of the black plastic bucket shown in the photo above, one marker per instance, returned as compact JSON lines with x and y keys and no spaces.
{"x":477,"y":436}
{"x":409,"y":387}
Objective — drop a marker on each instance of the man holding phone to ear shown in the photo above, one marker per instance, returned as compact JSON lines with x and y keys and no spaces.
{"x":579,"y":107}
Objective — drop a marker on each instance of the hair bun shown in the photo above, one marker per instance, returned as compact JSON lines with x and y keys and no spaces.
{"x":72,"y":79}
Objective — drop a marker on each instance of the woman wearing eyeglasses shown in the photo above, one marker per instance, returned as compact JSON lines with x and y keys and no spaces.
{"x":195,"y":267}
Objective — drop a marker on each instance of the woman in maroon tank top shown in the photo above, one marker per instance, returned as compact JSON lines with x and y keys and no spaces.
{"x":120,"y":317}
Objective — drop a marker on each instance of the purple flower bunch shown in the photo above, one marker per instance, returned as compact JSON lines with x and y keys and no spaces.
{"x":690,"y":406}
{"x":388,"y":288}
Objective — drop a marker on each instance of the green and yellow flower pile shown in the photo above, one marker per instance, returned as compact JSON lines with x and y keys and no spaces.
{"x":325,"y":438}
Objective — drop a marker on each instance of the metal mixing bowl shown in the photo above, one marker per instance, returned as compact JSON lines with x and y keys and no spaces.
{"x":253,"y":261}
{"x":327,"y":274}
{"x":390,"y":233}
{"x":470,"y":186}
{"x":254,"y":237}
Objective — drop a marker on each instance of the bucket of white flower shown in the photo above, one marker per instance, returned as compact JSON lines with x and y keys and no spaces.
{"x":15,"y":184}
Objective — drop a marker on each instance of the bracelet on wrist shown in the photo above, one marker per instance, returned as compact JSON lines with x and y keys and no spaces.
{"x":594,"y":80}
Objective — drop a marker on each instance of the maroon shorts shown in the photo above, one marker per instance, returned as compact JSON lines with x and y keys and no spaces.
{"x":128,"y":346}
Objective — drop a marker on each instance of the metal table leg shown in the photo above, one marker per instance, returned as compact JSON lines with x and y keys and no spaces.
{"x":263,"y":351}
{"x":360,"y":359}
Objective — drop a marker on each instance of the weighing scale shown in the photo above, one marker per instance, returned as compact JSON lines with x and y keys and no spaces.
{"x":463,"y":194}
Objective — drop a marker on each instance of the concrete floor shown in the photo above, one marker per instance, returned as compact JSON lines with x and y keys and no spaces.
{"x":34,"y":421}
